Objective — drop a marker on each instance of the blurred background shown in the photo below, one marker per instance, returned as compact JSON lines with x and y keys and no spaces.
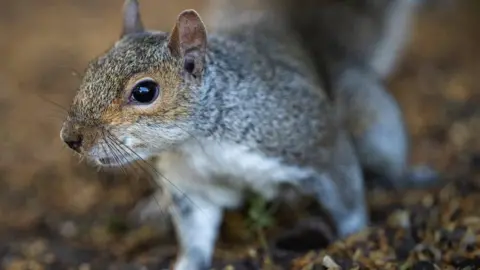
{"x":52,"y":205}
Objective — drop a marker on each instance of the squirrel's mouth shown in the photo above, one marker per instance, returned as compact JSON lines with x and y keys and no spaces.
{"x":114,"y":161}
{"x":117,"y":159}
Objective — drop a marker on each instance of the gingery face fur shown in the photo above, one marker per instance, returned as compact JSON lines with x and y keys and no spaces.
{"x":106,"y":125}
{"x":101,"y":112}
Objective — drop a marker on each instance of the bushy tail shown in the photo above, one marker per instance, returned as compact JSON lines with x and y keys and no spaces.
{"x":337,"y":33}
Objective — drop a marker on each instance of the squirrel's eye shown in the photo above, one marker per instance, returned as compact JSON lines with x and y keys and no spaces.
{"x":145,"y":92}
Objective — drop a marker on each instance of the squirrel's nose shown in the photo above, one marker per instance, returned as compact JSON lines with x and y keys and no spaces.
{"x":73,"y":141}
{"x":75,"y":144}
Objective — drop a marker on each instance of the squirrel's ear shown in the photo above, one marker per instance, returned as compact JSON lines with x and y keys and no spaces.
{"x":132,"y":22}
{"x":188,"y":40}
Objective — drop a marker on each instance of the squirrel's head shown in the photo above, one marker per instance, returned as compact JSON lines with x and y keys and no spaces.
{"x":139,"y":97}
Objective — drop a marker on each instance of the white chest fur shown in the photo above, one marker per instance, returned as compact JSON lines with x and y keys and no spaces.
{"x":222,"y":172}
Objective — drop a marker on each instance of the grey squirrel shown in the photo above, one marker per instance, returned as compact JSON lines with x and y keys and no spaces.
{"x":247,"y":108}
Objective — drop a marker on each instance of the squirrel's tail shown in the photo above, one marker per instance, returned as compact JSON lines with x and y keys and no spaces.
{"x":337,"y":33}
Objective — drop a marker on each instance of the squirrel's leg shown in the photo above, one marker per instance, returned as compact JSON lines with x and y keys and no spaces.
{"x":340,"y":191}
{"x":347,"y":218}
{"x":378,"y":130}
{"x":196,"y":221}
{"x":195,"y":214}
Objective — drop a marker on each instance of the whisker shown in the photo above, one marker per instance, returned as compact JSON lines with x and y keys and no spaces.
{"x":133,"y":166}
{"x":118,"y":155}
{"x":57,"y":105}
{"x":163,"y":209}
{"x":58,"y":119}
{"x":130,"y":150}
{"x":115,"y":145}
{"x":110,"y":151}
{"x":123,"y":148}
{"x":120,"y":149}
{"x":115,"y":151}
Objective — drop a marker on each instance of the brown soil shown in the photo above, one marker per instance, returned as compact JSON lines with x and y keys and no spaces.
{"x":58,"y":214}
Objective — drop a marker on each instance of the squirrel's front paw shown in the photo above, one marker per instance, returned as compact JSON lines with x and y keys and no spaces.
{"x":191,"y":263}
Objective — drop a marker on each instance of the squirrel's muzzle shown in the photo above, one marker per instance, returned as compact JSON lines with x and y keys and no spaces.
{"x":72,"y":138}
